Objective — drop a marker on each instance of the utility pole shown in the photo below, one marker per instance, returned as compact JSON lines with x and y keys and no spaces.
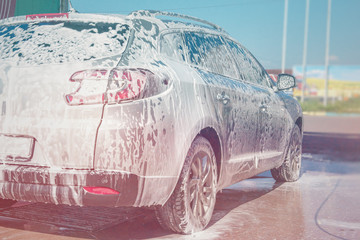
{"x":284,"y":37}
{"x":327,"y":53}
{"x":64,"y":7}
{"x":305,"y":49}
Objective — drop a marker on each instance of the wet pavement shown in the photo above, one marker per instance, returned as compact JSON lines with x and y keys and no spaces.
{"x":323,"y":204}
{"x":335,"y":136}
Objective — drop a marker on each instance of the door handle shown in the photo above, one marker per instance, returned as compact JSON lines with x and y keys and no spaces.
{"x":222,"y":97}
{"x":263,"y":108}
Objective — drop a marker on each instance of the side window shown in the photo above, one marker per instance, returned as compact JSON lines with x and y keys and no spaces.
{"x":171,"y":45}
{"x":249,"y":68}
{"x":209,"y":52}
{"x":257,"y":71}
{"x":195,"y":48}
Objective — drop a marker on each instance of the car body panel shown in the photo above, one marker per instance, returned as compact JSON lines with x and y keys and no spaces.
{"x":35,"y":107}
{"x":137,"y":147}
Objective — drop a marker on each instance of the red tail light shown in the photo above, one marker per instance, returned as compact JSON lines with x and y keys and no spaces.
{"x":100,"y":190}
{"x":89,"y":75}
{"x":107,"y":86}
{"x":126,"y":84}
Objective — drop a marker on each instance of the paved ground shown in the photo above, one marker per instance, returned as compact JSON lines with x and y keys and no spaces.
{"x":337,"y":137}
{"x":323,"y":204}
{"x":332,"y":124}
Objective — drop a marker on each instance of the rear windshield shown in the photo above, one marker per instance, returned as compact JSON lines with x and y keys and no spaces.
{"x":61,"y":42}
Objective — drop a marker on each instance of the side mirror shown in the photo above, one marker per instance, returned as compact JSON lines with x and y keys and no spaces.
{"x":285,"y":81}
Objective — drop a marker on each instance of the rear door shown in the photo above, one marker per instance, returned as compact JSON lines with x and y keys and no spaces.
{"x":37,"y":61}
{"x":232,"y":100}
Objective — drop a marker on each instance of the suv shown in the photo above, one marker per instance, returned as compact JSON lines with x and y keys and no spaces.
{"x":150,"y":109}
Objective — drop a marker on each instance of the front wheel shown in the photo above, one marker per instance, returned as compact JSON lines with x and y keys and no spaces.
{"x":289,"y":171}
{"x":190,"y":207}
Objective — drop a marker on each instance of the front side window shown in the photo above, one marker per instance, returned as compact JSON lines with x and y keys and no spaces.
{"x":171,"y":45}
{"x":250,"y":69}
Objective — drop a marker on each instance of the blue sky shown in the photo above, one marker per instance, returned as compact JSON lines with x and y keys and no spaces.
{"x":258,"y":25}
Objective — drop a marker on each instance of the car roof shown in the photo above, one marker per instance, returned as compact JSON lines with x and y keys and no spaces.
{"x":176,"y":18}
{"x":164,"y":20}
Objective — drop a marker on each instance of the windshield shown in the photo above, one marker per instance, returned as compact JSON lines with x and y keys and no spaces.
{"x":61,"y":42}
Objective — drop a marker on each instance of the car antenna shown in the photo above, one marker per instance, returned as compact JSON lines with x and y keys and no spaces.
{"x":71,"y":9}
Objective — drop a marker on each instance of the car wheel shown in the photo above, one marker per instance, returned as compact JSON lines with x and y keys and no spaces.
{"x":190,"y":207}
{"x":289,"y":171}
{"x":5,"y":203}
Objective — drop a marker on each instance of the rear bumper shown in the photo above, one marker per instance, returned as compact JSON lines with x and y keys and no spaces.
{"x":38,"y":184}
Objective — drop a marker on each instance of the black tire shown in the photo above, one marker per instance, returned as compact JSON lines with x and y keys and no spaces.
{"x":6,"y":203}
{"x":190,"y":207}
{"x":289,"y":171}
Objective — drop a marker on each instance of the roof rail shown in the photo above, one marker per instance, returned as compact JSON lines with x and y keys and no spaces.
{"x":176,"y":15}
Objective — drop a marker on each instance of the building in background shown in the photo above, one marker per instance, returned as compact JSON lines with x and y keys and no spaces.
{"x":10,"y":8}
{"x":278,"y":71}
{"x":344,"y":82}
{"x":273,"y":73}
{"x":7,"y":8}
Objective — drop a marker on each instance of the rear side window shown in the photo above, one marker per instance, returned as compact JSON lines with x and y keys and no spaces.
{"x":195,"y":48}
{"x":61,"y":42}
{"x":209,"y":52}
{"x":249,"y":68}
{"x":171,"y":45}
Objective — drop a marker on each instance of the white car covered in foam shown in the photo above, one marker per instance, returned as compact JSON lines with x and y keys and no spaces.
{"x":150,"y":109}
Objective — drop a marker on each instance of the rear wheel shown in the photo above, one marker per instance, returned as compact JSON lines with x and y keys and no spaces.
{"x":289,"y":171}
{"x":5,"y":203}
{"x":190,"y":207}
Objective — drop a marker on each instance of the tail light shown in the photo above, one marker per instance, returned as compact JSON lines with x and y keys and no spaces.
{"x":108,"y":86}
{"x":100,"y":190}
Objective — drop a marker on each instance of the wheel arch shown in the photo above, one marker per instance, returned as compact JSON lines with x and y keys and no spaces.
{"x":299,"y":122}
{"x":211,"y":135}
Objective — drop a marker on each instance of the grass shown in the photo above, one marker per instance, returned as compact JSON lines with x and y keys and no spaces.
{"x":352,"y":105}
{"x":336,"y":89}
